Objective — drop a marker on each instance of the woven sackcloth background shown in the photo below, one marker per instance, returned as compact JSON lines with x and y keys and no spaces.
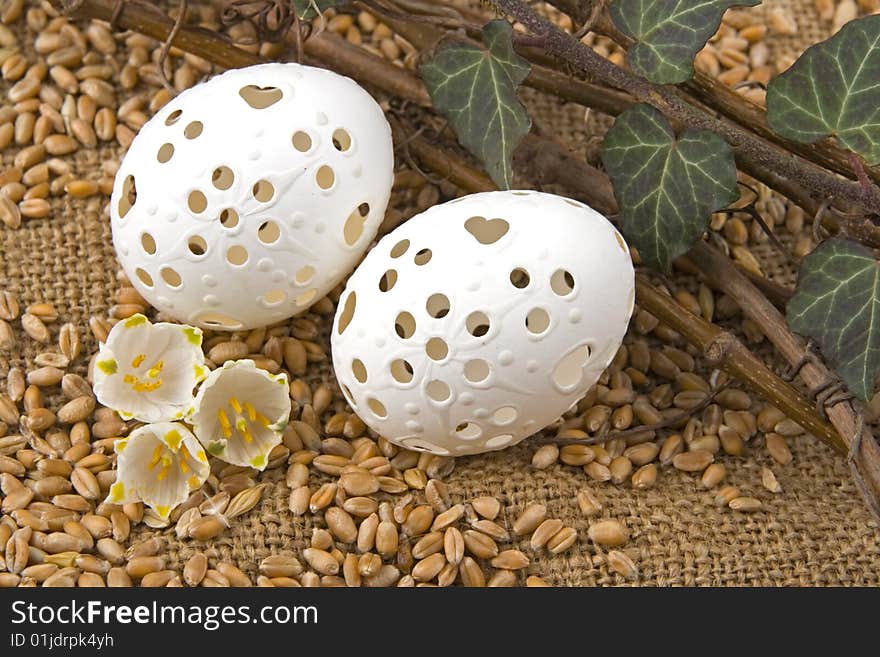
{"x":816,"y":532}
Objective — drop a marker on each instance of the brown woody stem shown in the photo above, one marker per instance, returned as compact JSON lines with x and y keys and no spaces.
{"x":758,"y":150}
{"x":843,"y":415}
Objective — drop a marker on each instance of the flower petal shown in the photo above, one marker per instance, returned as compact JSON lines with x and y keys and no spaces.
{"x":239,"y":413}
{"x":148,"y":371}
{"x":158,"y":464}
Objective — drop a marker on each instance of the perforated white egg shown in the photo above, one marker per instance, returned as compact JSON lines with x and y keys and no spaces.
{"x":480,"y":321}
{"x":247,"y":198}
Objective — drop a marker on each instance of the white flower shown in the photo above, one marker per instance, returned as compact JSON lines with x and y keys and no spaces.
{"x":159,"y":464}
{"x":148,"y":371}
{"x":240,"y":412}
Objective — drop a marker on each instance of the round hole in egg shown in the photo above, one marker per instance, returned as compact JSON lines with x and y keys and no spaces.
{"x":197,"y":245}
{"x":468,"y":430}
{"x":520,"y":278}
{"x":193,"y":130}
{"x":222,"y":178}
{"x":341,"y":139}
{"x":263,"y":191}
{"x":405,"y":325}
{"x":274,"y":297}
{"x":388,"y":280}
{"x":237,"y":255}
{"x":148,"y":243}
{"x":144,"y":277}
{"x":504,"y":416}
{"x":423,"y":257}
{"x":401,"y":370}
{"x":128,"y":197}
{"x":347,"y":314}
{"x":377,"y":407}
{"x":562,"y":282}
{"x":476,"y":370}
{"x":438,"y":390}
{"x":437,"y":349}
{"x":229,"y":218}
{"x":359,"y":370}
{"x":197,"y":202}
{"x":325,"y":177}
{"x":537,"y":321}
{"x":399,"y":249}
{"x":171,"y":277}
{"x":269,"y":232}
{"x":477,"y":324}
{"x":165,"y":153}
{"x":304,"y":275}
{"x":301,"y":141}
{"x":437,"y":305}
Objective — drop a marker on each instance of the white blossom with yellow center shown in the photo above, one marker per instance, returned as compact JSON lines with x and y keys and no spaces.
{"x":159,"y":464}
{"x":239,"y":413}
{"x":148,"y":371}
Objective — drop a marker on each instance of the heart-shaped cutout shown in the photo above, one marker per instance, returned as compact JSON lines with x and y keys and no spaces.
{"x":260,"y":97}
{"x":486,"y":231}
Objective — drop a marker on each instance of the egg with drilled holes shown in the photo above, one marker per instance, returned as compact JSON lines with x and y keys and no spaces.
{"x":480,"y":321}
{"x":247,"y":198}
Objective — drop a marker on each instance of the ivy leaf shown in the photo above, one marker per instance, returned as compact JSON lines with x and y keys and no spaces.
{"x":669,"y":33}
{"x":475,"y":89}
{"x":308,"y":9}
{"x":833,"y":90}
{"x":837,"y":303}
{"x":666,"y":186}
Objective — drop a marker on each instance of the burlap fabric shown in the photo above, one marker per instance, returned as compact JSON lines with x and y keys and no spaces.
{"x":816,"y":532}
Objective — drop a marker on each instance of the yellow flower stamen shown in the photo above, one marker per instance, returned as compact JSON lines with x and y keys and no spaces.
{"x":251,"y":411}
{"x":184,"y":467}
{"x":139,"y":386}
{"x":156,"y":369}
{"x":193,"y":482}
{"x":224,"y":423}
{"x":263,"y":420}
{"x":157,"y":455}
{"x":242,"y":427}
{"x":166,"y":466}
{"x":236,"y":406}
{"x":138,"y":360}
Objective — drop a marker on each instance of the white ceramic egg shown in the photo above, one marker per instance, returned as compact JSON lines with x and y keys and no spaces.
{"x":480,"y":321}
{"x":247,"y":198}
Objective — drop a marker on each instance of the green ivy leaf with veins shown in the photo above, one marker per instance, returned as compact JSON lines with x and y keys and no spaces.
{"x":833,"y":90}
{"x":669,"y":33}
{"x":308,"y":9}
{"x":666,"y":186}
{"x":837,"y":303}
{"x":475,"y":89}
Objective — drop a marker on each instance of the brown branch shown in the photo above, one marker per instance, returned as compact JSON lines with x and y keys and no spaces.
{"x":740,"y":109}
{"x":724,"y":350}
{"x":145,"y":18}
{"x":768,"y":154}
{"x":843,"y":415}
{"x":442,"y":162}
